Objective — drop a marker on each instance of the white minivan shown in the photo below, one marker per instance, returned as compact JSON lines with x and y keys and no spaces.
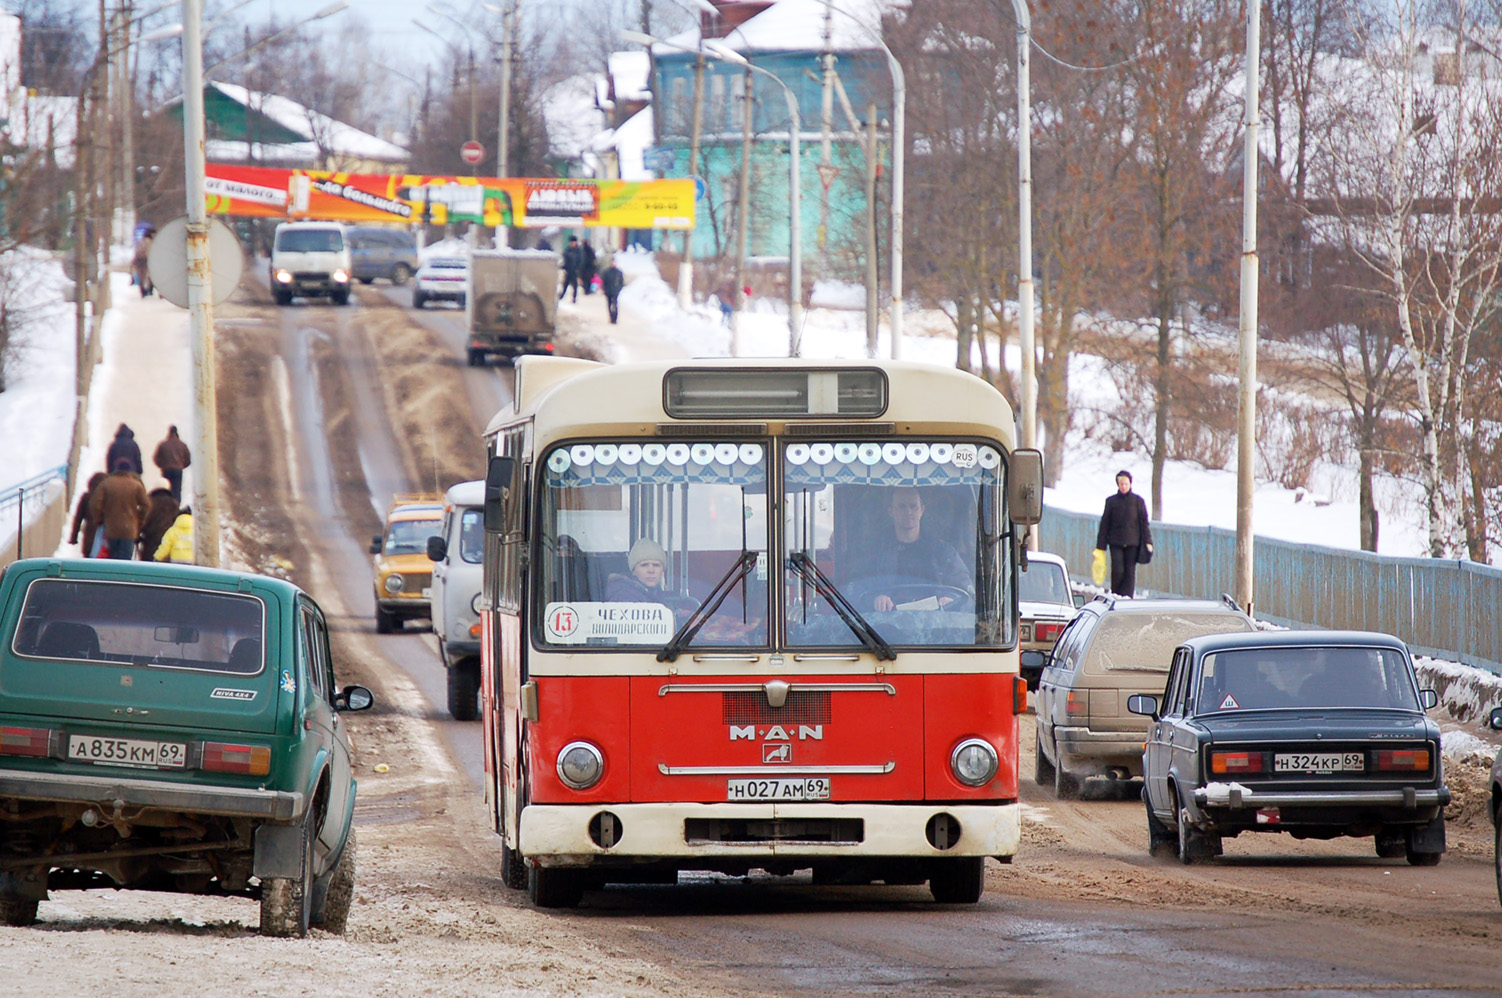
{"x":310,"y":259}
{"x":456,"y":554}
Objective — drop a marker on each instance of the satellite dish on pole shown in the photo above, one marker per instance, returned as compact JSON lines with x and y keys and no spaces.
{"x":167,"y":263}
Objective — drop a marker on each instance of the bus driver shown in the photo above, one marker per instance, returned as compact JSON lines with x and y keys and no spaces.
{"x":647,"y":563}
{"x":911,"y":558}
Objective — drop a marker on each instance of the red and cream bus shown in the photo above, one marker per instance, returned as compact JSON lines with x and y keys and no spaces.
{"x":746,"y":616}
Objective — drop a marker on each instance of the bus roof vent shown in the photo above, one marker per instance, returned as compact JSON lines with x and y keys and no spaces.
{"x":774,"y":393}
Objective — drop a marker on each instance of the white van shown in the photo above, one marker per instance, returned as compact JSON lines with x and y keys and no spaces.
{"x":457,"y":576}
{"x":310,"y":259}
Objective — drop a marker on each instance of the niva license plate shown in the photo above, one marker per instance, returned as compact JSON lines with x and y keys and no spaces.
{"x":1319,"y":762}
{"x":128,"y":752}
{"x":813,"y":788}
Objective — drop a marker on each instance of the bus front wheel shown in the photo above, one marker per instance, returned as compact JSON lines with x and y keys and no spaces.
{"x":556,"y":887}
{"x":958,"y":881}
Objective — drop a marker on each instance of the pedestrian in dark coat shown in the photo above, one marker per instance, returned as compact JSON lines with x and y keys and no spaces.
{"x":587,"y":268}
{"x":1124,"y":530}
{"x":84,"y":519}
{"x":573,"y":264}
{"x":611,"y":282}
{"x":119,"y":505}
{"x":161,"y":513}
{"x":172,"y":456}
{"x":124,"y":445}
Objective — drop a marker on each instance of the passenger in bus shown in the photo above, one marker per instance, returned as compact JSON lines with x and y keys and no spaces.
{"x":896,"y":569}
{"x":648,"y":565}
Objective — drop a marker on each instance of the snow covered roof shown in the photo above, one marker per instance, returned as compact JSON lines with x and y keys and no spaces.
{"x":572,"y":117}
{"x":629,"y":142}
{"x":800,"y":26}
{"x":317,"y":129}
{"x":630,"y":75}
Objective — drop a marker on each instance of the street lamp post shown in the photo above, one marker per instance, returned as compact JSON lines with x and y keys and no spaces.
{"x":899,"y":157}
{"x":1025,"y":230}
{"x":200,"y":295}
{"x":1246,"y":415}
{"x":795,"y":184}
{"x":503,"y":124}
{"x":717,"y":50}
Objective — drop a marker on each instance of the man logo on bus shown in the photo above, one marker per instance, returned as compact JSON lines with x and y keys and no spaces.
{"x":779,"y":752}
{"x":776,"y":733}
{"x":563,"y":621}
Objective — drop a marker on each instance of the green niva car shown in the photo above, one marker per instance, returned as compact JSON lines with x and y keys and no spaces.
{"x":171,"y":728}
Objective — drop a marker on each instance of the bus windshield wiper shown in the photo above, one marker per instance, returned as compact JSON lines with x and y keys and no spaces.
{"x":732,"y":578}
{"x":805,"y":566}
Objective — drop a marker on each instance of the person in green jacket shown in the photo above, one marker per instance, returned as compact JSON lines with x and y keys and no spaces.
{"x":177,"y":542}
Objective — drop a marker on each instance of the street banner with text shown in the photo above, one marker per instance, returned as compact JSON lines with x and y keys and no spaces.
{"x":411,"y":199}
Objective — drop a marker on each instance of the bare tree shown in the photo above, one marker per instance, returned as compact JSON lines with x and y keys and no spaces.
{"x":1177,"y":192}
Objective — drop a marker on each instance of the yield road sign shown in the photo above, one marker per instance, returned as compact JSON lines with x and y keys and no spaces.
{"x":827,"y":174}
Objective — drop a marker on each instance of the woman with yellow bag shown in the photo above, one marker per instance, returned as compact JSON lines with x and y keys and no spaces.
{"x":1124,"y":531}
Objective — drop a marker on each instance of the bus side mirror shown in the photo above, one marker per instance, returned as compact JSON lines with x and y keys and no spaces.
{"x":498,"y":479}
{"x":1025,"y":486}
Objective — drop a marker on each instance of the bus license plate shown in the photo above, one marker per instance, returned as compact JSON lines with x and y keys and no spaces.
{"x":1319,"y":762}
{"x":813,"y":788}
{"x":128,"y":752}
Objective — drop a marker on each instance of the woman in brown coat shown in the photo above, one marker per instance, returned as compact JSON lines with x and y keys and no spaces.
{"x":83,"y":518}
{"x":119,"y":506}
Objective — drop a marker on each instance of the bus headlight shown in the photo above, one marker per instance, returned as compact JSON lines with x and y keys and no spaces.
{"x":580,"y":765}
{"x":393,"y":583}
{"x":474,"y":603}
{"x":974,"y":762}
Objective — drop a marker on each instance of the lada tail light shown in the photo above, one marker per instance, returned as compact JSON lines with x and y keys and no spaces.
{"x":1402,"y":760}
{"x":35,"y":742}
{"x":1047,"y":632}
{"x":1232,"y":763}
{"x":248,"y":760}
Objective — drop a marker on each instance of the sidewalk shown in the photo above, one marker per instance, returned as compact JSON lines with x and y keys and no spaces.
{"x":651,"y":326}
{"x":144,"y":380}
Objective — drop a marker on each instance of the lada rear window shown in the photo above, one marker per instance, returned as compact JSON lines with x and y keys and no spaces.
{"x":1044,"y":582}
{"x":1269,"y":678}
{"x":1144,"y":642}
{"x":119,"y":623}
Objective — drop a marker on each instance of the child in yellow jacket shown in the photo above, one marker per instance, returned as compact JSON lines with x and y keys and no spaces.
{"x":177,"y":542}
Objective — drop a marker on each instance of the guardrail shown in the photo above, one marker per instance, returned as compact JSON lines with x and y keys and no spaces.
{"x":21,"y":493}
{"x":1447,"y":609}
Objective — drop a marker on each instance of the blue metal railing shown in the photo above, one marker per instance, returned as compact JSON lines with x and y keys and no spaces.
{"x":1448,"y":609}
{"x":16,"y":495}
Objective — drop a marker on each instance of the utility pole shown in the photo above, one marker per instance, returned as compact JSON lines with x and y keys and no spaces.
{"x":125,"y":183}
{"x":1246,"y":414}
{"x":826,"y":129}
{"x":695,"y":135}
{"x":872,"y":308}
{"x":503,"y":129}
{"x":743,"y":217}
{"x":200,"y":296}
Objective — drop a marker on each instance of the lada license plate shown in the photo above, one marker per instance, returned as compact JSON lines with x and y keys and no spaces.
{"x":813,"y":788}
{"x":128,"y":752}
{"x":1319,"y":762}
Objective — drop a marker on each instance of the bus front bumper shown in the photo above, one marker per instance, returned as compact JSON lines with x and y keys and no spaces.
{"x":566,"y":835}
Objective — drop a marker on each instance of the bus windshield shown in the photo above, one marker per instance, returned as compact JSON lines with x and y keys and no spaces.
{"x":637,"y":537}
{"x":907,"y":533}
